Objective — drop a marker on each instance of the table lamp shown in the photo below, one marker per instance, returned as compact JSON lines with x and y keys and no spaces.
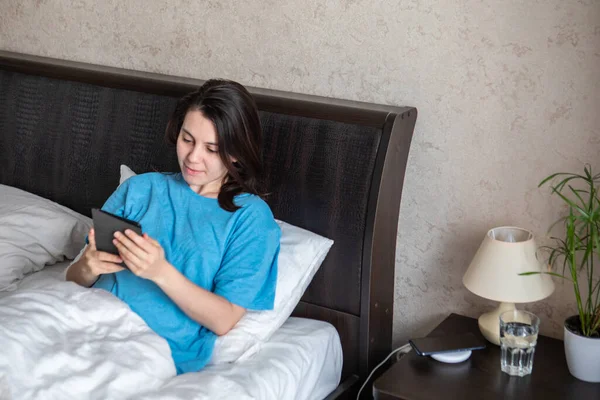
{"x":494,"y":274}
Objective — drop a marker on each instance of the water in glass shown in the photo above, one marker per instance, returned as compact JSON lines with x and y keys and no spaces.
{"x":518,"y":337}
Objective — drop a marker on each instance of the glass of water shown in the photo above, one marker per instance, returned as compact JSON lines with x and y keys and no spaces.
{"x":518,"y":337}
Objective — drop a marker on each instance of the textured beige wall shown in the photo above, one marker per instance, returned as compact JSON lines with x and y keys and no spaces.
{"x":507,"y":92}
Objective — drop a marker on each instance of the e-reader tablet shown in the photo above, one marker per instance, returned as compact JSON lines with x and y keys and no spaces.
{"x":105,"y":226}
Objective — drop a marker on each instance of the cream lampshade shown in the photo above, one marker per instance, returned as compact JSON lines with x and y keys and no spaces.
{"x":494,"y":274}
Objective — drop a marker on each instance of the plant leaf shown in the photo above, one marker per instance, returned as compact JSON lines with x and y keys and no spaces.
{"x":544,"y":273}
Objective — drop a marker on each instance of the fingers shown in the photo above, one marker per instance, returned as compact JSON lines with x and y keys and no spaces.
{"x":130,"y":257}
{"x":92,"y":239}
{"x":108,"y":257}
{"x":108,"y":268}
{"x":152,"y":241}
{"x":98,"y":267}
{"x":144,"y":241}
{"x":135,"y":243}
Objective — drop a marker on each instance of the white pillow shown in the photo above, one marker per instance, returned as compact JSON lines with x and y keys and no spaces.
{"x":35,"y":232}
{"x":301,"y":254}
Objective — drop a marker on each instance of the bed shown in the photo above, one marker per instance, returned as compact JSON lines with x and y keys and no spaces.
{"x":333,"y":167}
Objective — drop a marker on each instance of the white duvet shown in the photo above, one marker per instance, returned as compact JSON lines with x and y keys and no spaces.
{"x":61,"y":341}
{"x":66,"y":342}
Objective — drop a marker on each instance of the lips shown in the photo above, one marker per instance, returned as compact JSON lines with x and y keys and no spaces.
{"x":191,"y":171}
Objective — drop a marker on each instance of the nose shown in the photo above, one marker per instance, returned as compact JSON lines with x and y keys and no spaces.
{"x":197,"y":154}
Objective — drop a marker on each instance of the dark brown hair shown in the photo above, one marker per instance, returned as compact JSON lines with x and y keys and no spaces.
{"x":234,"y":114}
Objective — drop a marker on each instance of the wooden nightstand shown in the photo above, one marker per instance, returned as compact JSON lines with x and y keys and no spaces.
{"x":414,"y":377}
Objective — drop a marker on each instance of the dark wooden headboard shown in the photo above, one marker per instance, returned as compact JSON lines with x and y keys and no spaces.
{"x":334,"y":167}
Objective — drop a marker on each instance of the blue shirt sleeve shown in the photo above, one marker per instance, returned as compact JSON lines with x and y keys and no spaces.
{"x":248,"y":273}
{"x":116,"y":202}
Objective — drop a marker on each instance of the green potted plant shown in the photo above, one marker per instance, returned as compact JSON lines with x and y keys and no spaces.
{"x":576,"y":256}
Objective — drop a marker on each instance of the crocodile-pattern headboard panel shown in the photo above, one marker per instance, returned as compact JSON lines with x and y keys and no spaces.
{"x":65,"y":141}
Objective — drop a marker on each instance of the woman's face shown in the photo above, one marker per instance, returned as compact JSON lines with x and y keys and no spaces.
{"x":198,"y":155}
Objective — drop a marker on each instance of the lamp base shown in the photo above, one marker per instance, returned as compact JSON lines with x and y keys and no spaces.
{"x":489,"y":323}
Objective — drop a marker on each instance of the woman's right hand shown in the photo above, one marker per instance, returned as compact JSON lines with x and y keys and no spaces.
{"x":92,"y":264}
{"x":96,"y":263}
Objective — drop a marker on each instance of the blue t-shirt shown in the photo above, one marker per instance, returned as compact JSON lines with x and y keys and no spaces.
{"x":232,"y":254}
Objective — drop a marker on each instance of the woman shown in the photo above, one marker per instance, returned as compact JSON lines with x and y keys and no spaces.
{"x":210,"y":243}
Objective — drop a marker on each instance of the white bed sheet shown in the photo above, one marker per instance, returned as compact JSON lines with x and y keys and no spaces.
{"x":303,"y":360}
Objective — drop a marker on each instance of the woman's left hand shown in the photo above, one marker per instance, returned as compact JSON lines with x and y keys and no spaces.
{"x":143,"y":255}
